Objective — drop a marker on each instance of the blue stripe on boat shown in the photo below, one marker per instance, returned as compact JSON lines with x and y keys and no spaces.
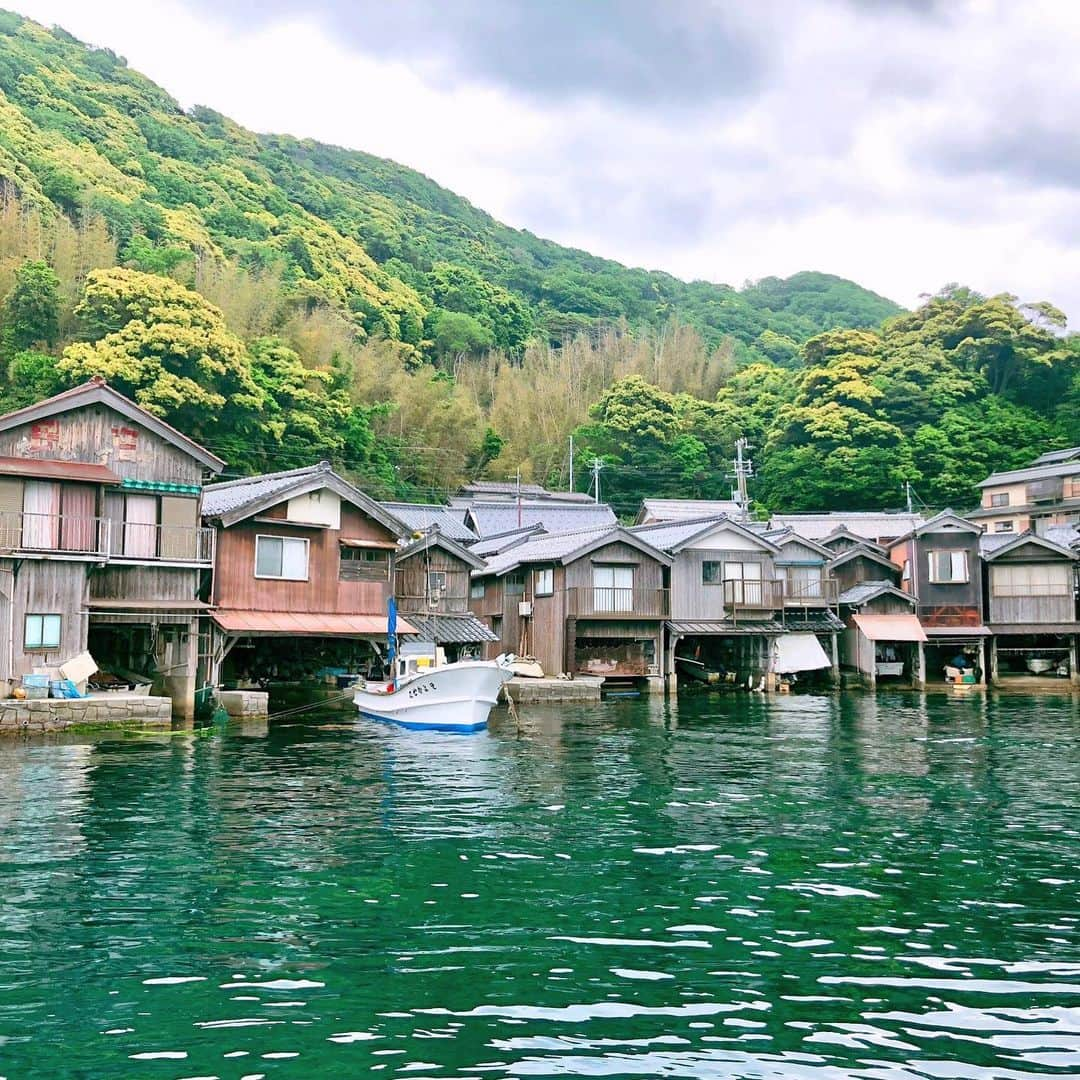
{"x":463,"y":729}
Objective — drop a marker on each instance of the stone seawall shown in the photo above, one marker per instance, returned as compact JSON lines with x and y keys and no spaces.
{"x":52,"y":714}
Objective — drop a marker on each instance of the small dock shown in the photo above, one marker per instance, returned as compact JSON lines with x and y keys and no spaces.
{"x":582,"y":688}
{"x":96,"y":711}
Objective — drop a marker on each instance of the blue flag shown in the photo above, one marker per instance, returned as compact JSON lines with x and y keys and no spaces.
{"x":391,"y":634}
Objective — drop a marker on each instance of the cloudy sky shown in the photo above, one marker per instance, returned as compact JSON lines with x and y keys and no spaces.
{"x":902,"y":143}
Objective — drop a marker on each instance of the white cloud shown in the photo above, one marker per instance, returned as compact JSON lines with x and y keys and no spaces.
{"x":900,"y":146}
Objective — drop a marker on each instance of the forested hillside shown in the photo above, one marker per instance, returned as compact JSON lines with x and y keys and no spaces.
{"x":284,"y":300}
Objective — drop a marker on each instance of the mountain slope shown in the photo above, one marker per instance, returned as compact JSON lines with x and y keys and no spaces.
{"x":80,"y":131}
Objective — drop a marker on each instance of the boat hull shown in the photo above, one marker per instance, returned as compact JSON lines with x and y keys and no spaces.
{"x":457,"y":697}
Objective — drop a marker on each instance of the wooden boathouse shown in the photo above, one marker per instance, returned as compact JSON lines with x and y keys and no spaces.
{"x":304,"y":570}
{"x":101,"y":545}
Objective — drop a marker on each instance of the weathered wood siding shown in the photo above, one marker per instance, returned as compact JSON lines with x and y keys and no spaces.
{"x":41,"y":587}
{"x":648,"y":573}
{"x":97,"y":435}
{"x":795,"y":552}
{"x":144,"y":583}
{"x":411,"y":581}
{"x":547,"y":627}
{"x":1034,"y":608}
{"x":691,"y":598}
{"x":862,"y":569}
{"x":237,"y":587}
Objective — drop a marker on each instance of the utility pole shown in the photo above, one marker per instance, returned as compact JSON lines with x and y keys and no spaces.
{"x":744,"y":469}
{"x":907,"y":492}
{"x":571,"y":462}
{"x":517,"y":478}
{"x":594,"y":467}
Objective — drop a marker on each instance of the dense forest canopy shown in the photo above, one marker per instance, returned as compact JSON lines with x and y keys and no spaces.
{"x":285,"y":301}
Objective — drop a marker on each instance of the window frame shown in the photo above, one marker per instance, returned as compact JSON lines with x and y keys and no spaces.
{"x":999,"y":499}
{"x":282,"y":540}
{"x":541,"y":573}
{"x":713,"y":564}
{"x":436,"y":588}
{"x":933,"y":556}
{"x":477,"y":589}
{"x":1004,"y":526}
{"x":42,"y":645}
{"x":516,"y":579}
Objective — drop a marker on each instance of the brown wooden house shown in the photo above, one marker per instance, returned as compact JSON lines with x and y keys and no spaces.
{"x":1031,"y":606}
{"x":583,"y":603}
{"x":941,"y":568}
{"x":101,"y":544}
{"x":433,"y":587}
{"x":303,"y":574}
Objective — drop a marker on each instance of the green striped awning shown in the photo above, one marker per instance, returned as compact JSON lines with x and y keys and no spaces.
{"x":163,"y":487}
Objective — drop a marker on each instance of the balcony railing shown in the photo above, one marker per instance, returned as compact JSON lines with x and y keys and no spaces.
{"x":946,"y":615}
{"x":617,"y":603}
{"x":102,"y":538}
{"x":810,"y":592}
{"x":445,"y":604}
{"x":759,"y":594}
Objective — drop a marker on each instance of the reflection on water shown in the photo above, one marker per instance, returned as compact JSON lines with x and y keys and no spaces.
{"x":727,"y":886}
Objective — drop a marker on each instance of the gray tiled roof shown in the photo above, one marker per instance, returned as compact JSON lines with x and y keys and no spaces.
{"x":1033,"y":472}
{"x":681,"y":509}
{"x":493,"y":545}
{"x":1063,"y":535}
{"x":1055,"y":456}
{"x":723,"y":628}
{"x":556,"y":517}
{"x":421,"y":516}
{"x":220,"y":499}
{"x":817,"y":622}
{"x":546,"y":548}
{"x":865,"y":590}
{"x":668,"y":535}
{"x":451,"y":629}
{"x":867,"y":523}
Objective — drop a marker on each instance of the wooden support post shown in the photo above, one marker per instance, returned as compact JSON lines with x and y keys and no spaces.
{"x":835,"y":656}
{"x":919,"y":679}
{"x":982,"y":662}
{"x":993,"y":673}
{"x":1074,"y":659}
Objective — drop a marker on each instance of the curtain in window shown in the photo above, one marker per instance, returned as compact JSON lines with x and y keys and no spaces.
{"x":140,"y":526}
{"x":77,"y":525}
{"x":294,"y":560}
{"x":41,"y":515}
{"x":613,"y":588}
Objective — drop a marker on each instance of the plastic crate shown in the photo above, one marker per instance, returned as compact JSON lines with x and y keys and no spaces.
{"x":35,"y":681}
{"x":36,"y":693}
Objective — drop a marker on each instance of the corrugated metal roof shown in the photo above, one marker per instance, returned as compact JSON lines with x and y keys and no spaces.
{"x":818,"y":622}
{"x":722,"y":628}
{"x":500,"y":517}
{"x":681,"y":509}
{"x":421,"y":516}
{"x":284,"y":623}
{"x":57,"y":470}
{"x":452,"y":629}
{"x":891,"y":627}
{"x":1032,"y":472}
{"x":870,"y":524}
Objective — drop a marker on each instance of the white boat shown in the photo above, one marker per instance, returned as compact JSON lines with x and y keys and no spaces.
{"x":436,"y":696}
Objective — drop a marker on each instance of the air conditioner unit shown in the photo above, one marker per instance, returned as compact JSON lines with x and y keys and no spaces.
{"x":525,"y":608}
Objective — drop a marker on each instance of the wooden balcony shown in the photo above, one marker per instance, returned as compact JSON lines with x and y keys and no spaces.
{"x":813,"y":592}
{"x":754,"y":594}
{"x":616,"y":603}
{"x":65,"y":536}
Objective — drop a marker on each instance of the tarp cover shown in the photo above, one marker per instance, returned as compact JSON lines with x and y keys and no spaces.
{"x":891,"y":627}
{"x":798,"y":652}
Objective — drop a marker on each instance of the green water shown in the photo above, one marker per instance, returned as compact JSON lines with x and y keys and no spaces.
{"x":724,"y":887}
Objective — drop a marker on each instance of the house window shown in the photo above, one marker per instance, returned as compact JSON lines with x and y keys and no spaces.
{"x":544,"y":582}
{"x":363,"y":564}
{"x":745,"y":582}
{"x":436,"y":582}
{"x":515,"y":584}
{"x":613,"y":588}
{"x":1000,"y":500}
{"x":712,"y":572}
{"x":1003,"y":526}
{"x":281,"y":557}
{"x":41,"y":632}
{"x":477,"y":590}
{"x":1032,"y":579}
{"x":948,"y":567}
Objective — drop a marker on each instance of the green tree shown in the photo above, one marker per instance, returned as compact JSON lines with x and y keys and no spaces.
{"x":168,"y":349}
{"x":31,"y":377}
{"x":31,"y":311}
{"x":456,"y":334}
